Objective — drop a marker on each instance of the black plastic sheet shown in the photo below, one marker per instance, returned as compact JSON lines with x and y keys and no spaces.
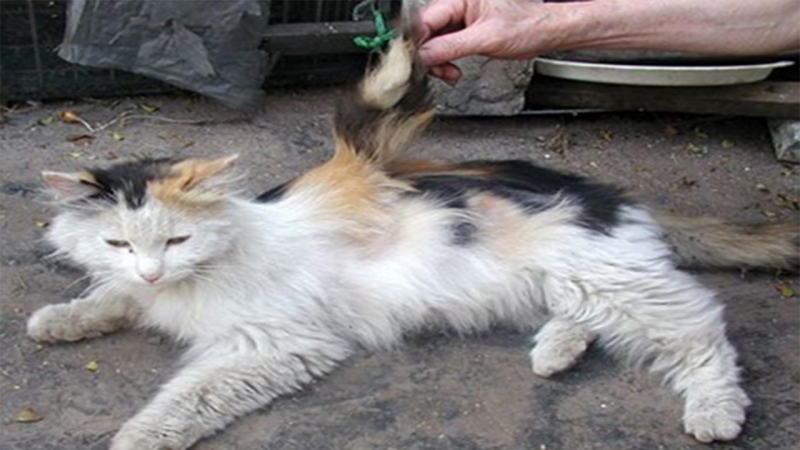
{"x":206,"y":46}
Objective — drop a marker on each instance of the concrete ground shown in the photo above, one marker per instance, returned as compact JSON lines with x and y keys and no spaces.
{"x":440,"y":391}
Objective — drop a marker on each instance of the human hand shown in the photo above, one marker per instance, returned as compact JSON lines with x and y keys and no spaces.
{"x":506,"y":29}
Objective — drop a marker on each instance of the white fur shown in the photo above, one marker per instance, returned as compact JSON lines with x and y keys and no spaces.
{"x":269,"y":296}
{"x":384,"y":87}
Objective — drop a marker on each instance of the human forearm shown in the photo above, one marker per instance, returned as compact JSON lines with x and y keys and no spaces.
{"x":730,"y":27}
{"x":520,"y":29}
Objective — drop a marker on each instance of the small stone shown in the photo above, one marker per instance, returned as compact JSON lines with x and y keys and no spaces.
{"x":785,"y":139}
{"x":27,"y":415}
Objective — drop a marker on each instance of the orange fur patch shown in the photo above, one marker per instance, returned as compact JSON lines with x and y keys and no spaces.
{"x":511,"y":233}
{"x":181,"y":188}
{"x":410,"y":169}
{"x":504,"y":226}
{"x":350,"y":187}
{"x":86,"y":177}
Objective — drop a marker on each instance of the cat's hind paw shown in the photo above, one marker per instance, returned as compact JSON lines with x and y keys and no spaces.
{"x":549,"y":360}
{"x":559,"y":346}
{"x":55,"y":323}
{"x":720,"y":421}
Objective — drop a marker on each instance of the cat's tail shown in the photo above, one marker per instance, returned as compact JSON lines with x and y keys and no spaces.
{"x":392,"y":104}
{"x":714,"y":243}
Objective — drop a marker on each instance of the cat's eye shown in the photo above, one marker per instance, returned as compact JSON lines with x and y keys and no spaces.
{"x":118,"y":243}
{"x":177,"y":240}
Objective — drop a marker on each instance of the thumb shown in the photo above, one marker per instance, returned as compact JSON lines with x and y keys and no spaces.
{"x":451,"y":46}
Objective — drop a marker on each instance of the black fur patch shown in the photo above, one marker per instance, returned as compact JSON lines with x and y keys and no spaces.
{"x":531,"y":187}
{"x":129,"y":180}
{"x":274,"y":194}
{"x":463,"y":232}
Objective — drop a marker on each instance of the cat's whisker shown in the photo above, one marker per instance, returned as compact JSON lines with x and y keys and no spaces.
{"x":76,"y":281}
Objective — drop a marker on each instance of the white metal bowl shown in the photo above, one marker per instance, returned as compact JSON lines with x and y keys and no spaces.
{"x":631,"y":74}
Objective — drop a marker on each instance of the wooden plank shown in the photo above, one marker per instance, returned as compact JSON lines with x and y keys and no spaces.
{"x":315,"y":38}
{"x":763,"y":99}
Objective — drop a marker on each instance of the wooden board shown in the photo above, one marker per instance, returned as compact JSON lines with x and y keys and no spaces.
{"x":315,"y":38}
{"x":763,"y":99}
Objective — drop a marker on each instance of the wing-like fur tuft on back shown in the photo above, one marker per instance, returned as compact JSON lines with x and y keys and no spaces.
{"x":391,"y":105}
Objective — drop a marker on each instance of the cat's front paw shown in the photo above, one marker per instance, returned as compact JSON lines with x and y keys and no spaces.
{"x":55,"y":323}
{"x":135,"y":436}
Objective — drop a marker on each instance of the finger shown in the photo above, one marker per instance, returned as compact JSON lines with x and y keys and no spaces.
{"x":449,"y":47}
{"x":439,"y":14}
{"x":449,"y":73}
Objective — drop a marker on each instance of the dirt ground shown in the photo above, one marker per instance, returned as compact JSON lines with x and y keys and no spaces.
{"x":440,"y":391}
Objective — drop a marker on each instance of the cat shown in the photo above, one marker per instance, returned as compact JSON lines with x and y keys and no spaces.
{"x":274,"y":292}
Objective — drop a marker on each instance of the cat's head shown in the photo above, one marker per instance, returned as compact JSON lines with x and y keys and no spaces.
{"x":145,"y":222}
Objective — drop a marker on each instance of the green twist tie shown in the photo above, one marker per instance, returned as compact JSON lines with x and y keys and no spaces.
{"x":383,"y":35}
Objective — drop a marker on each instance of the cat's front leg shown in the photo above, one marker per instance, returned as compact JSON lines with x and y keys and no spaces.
{"x":219,"y":386}
{"x":99,"y":313}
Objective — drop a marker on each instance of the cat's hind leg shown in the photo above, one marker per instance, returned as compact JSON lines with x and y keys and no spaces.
{"x":559,"y":345}
{"x":676,"y":326}
{"x":81,"y":318}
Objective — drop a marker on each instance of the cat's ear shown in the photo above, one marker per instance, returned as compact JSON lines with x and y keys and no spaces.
{"x":195,"y":172}
{"x":70,"y":186}
{"x":195,"y":182}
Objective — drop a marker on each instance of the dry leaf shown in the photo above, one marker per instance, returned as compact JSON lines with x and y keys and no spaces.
{"x":27,"y":415}
{"x":693,"y":148}
{"x":80,"y":139}
{"x":70,"y":117}
{"x":727,"y":144}
{"x":670,"y":131}
{"x":761,"y":188}
{"x":785,"y":201}
{"x":148,"y":108}
{"x":117,"y":136}
{"x":76,"y":154}
{"x":785,"y":289}
{"x":41,"y":224}
{"x":46,"y":120}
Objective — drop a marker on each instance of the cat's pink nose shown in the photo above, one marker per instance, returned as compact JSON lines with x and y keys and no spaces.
{"x":151,"y":277}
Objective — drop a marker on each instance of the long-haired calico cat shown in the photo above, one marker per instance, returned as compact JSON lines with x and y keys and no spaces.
{"x":271,"y":293}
